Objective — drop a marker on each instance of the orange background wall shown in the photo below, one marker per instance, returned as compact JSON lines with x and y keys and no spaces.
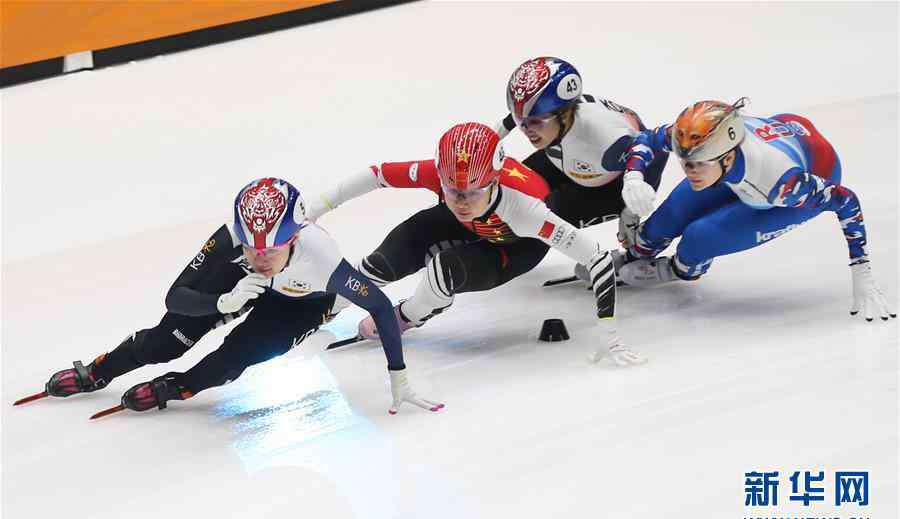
{"x":35,"y":30}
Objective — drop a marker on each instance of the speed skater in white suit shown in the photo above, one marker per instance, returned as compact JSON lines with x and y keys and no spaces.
{"x":582,"y":144}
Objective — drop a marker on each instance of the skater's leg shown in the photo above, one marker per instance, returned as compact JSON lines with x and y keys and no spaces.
{"x":408,"y":246}
{"x":273,"y":327}
{"x":170,"y":339}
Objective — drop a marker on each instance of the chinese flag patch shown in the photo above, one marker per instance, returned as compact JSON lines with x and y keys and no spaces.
{"x":546,"y":230}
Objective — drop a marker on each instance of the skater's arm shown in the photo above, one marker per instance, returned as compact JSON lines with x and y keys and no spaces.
{"x":416,"y":174}
{"x":187,"y":295}
{"x":413,"y":174}
{"x":797,"y":188}
{"x":646,"y":145}
{"x":530,"y":217}
{"x":361,"y":291}
{"x":348,"y":188}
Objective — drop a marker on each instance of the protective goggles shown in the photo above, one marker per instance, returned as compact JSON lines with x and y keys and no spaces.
{"x":537,"y":121}
{"x":460,"y":195}
{"x":694,"y":164}
{"x":268,"y":252}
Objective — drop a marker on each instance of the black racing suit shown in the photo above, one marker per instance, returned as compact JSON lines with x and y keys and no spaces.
{"x":275,"y":324}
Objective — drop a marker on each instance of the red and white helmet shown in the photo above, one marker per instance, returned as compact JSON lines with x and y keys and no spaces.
{"x":268,"y":212}
{"x":469,"y":155}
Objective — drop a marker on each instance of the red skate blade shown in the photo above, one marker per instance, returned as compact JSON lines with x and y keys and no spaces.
{"x":31,"y":398}
{"x":107,"y":412}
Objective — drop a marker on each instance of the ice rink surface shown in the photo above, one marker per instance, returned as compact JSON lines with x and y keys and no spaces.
{"x":113,"y":179}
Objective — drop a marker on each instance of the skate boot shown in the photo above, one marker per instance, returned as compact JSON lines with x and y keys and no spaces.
{"x":368,"y":330}
{"x":155,"y":393}
{"x":649,"y":272}
{"x":79,"y":379}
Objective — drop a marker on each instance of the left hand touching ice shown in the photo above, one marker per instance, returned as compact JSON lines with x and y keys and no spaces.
{"x":618,"y":352}
{"x":401,"y":392}
{"x":866,"y":294}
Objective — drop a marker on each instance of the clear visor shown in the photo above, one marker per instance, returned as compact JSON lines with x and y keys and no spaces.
{"x":267,"y":252}
{"x":697,"y":164}
{"x":466,"y":195}
{"x":536,"y":122}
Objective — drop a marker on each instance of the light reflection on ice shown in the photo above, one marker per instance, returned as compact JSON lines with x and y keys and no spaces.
{"x":288,"y":405}
{"x":291,"y":413}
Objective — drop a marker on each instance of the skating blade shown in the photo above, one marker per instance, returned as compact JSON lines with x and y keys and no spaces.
{"x":345,"y":342}
{"x":107,"y":412}
{"x":560,"y":281}
{"x":31,"y":398}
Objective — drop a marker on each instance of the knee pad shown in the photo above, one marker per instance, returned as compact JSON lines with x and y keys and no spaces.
{"x":377,"y":268}
{"x":447,"y":272}
{"x":467,"y":269}
{"x":434,"y":294}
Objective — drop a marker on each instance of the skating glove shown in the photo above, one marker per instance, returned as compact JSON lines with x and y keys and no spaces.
{"x":629,"y":224}
{"x":637,"y":194}
{"x":617,"y":351}
{"x":866,"y":294}
{"x":401,"y":392}
{"x":250,"y":287}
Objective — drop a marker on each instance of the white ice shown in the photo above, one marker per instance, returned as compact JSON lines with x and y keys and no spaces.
{"x":112,"y":180}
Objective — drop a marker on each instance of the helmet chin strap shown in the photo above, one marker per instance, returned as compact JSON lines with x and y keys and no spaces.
{"x":563,"y":129}
{"x":293,"y":244}
{"x":721,"y":162}
{"x":495,"y":192}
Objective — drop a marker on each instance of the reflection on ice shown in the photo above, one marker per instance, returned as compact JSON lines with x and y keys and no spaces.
{"x":289,"y":406}
{"x":291,"y":413}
